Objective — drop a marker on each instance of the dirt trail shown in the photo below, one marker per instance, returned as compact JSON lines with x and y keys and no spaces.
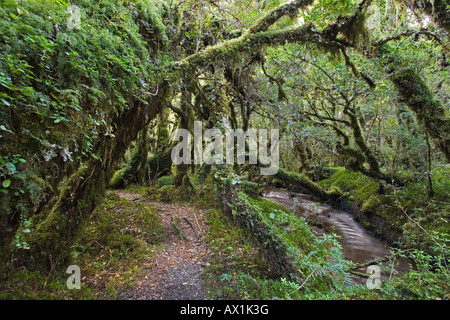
{"x":176,"y":269}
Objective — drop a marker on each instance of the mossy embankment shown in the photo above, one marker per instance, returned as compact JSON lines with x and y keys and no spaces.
{"x":113,"y":247}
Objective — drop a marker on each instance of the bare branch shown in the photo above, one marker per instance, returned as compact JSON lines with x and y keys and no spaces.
{"x":408,"y":33}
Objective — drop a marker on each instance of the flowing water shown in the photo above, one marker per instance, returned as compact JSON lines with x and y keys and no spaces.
{"x":358,"y":245}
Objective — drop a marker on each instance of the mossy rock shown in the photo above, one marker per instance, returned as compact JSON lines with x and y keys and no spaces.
{"x":165,"y":181}
{"x":251,"y":189}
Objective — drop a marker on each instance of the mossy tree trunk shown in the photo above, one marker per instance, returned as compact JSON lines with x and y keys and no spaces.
{"x":304,"y":153}
{"x":244,"y":215}
{"x":136,"y":170}
{"x":160,"y":163}
{"x":429,"y":111}
{"x":300,"y":181}
{"x":430,"y":189}
{"x":186,"y":121}
{"x":360,"y":141}
{"x":139,"y":162}
{"x":84,"y":191}
{"x":365,"y":153}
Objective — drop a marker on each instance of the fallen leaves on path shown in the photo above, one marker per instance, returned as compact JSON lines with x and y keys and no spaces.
{"x":177,"y":268}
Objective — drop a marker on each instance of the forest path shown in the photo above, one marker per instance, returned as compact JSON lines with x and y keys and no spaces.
{"x":177,"y":267}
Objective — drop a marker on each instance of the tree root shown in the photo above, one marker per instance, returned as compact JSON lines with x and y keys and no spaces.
{"x":178,"y":229}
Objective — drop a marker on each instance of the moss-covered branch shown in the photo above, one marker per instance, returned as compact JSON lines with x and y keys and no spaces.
{"x":249,"y":41}
{"x":273,"y":16}
{"x":85,"y":190}
{"x":135,"y":171}
{"x":297,"y":180}
{"x":430,"y":111}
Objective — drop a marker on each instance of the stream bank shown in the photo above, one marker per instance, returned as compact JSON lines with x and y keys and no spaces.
{"x":358,"y":245}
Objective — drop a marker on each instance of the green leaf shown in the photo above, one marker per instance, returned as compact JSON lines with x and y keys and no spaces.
{"x":6,"y":183}
{"x":11,"y":167}
{"x":2,"y":127}
{"x":5,"y":102}
{"x":26,"y":230}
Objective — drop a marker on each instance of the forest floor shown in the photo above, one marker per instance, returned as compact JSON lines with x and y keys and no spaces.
{"x":176,"y":270}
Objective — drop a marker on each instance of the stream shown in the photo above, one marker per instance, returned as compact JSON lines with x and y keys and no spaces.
{"x":358,"y":245}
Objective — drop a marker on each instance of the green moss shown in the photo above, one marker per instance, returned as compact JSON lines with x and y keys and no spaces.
{"x":118,"y":181}
{"x":250,"y":188}
{"x":118,"y":240}
{"x":33,"y":285}
{"x":294,"y":231}
{"x":371,"y":204}
{"x":354,"y":183}
{"x":166,"y":193}
{"x":233,"y":247}
{"x":165,"y":181}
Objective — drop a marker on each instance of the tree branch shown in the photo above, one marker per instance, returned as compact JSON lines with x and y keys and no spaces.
{"x":292,"y":7}
{"x":408,"y":33}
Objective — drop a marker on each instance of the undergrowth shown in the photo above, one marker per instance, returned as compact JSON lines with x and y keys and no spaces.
{"x":325,"y":274}
{"x":121,"y":236}
{"x":116,"y":243}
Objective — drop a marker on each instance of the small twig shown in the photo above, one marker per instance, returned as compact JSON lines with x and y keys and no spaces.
{"x":392,"y":269}
{"x":360,"y":274}
{"x":198,"y":224}
{"x":157,"y":90}
{"x":192,"y":226}
{"x":304,"y":282}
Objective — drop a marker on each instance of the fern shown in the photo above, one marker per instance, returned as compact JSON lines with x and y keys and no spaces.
{"x":333,"y":266}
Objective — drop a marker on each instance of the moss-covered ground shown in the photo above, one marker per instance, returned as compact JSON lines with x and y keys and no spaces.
{"x":116,"y":243}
